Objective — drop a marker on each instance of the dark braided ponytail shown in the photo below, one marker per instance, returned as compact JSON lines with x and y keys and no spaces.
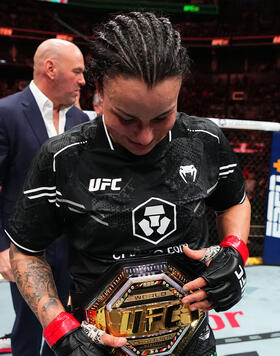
{"x":139,"y":45}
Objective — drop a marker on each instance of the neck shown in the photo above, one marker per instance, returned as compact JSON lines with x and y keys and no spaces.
{"x":56,"y":120}
{"x":40,"y":84}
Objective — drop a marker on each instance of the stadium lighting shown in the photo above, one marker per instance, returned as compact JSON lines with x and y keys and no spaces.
{"x":65,"y":37}
{"x":5,"y":31}
{"x":128,"y":5}
{"x":191,"y":8}
{"x":276,"y":39}
{"x":220,"y":42}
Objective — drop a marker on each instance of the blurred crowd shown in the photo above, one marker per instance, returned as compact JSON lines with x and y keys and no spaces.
{"x":237,"y":96}
{"x":238,"y":17}
{"x":246,"y":96}
{"x":238,"y":83}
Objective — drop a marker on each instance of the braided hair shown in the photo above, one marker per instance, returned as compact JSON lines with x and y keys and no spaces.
{"x":139,"y":45}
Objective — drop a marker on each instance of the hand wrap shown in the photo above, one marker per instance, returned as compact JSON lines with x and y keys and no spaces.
{"x":225,"y":275}
{"x":65,"y":335}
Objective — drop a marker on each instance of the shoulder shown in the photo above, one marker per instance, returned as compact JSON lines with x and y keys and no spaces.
{"x":11,"y":111}
{"x":12,"y":106}
{"x":79,"y":135}
{"x":64,"y":146}
{"x":10,"y":101}
{"x":65,"y":150}
{"x":199,"y":127}
{"x":189,"y":123}
{"x":78,"y":114}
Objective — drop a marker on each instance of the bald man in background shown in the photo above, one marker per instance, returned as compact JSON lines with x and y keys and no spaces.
{"x":27,"y":119}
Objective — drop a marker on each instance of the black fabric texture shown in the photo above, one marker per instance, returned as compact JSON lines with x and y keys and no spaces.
{"x":201,"y":346}
{"x":58,"y":197}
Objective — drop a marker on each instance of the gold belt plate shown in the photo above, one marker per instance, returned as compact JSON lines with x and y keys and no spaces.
{"x":143,"y":304}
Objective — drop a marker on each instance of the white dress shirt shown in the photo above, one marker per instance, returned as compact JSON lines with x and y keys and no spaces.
{"x":46,"y":107}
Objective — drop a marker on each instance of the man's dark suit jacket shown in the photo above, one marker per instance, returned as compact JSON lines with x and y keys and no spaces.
{"x":22,"y":132}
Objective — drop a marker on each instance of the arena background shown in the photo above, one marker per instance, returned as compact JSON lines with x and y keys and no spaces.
{"x":235,"y":48}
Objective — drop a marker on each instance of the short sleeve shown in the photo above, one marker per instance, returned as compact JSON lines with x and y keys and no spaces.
{"x":230,"y":188}
{"x":35,"y":222}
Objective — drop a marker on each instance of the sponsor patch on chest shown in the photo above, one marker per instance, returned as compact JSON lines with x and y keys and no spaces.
{"x":154,"y":220}
{"x":101,"y":184}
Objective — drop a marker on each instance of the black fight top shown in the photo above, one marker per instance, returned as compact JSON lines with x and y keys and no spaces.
{"x":114,"y":205}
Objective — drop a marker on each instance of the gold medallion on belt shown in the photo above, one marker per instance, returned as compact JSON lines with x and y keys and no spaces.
{"x":143,"y":304}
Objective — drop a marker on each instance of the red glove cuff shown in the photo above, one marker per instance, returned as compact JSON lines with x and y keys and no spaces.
{"x":60,"y":326}
{"x":238,"y":244}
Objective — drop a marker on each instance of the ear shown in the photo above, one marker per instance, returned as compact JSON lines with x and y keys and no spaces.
{"x":50,"y":69}
{"x":100,"y":95}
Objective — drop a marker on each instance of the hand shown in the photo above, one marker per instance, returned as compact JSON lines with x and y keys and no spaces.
{"x":5,"y":266}
{"x":226,"y":279}
{"x":101,"y":337}
{"x":77,"y":343}
{"x":222,"y":283}
{"x":66,"y":336}
{"x":198,"y":298}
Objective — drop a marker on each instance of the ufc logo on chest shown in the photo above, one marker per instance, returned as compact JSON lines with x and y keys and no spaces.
{"x":99,"y":184}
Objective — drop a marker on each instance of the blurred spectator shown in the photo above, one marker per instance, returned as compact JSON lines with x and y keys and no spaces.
{"x":97,"y":107}
{"x":250,"y":185}
{"x":42,"y":110}
{"x":97,"y":104}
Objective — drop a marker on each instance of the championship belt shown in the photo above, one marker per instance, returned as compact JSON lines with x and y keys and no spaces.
{"x":142,"y":302}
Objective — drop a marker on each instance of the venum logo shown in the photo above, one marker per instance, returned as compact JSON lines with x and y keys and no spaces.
{"x":188,"y":171}
{"x":154,"y":220}
{"x":97,"y":184}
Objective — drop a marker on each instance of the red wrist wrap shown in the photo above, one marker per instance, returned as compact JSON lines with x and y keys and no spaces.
{"x":60,"y":326}
{"x":238,"y":244}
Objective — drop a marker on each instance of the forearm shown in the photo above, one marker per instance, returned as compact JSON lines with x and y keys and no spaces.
{"x":34,"y":279}
{"x":235,"y":221}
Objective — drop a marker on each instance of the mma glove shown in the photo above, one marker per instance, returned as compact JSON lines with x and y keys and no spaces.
{"x":225,"y":275}
{"x":66,"y":336}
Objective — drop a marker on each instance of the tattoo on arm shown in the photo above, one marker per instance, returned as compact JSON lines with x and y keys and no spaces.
{"x":35,"y":281}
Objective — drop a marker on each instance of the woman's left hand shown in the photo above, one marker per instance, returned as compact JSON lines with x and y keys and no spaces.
{"x":197,"y":299}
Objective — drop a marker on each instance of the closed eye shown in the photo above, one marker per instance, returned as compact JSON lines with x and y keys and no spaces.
{"x":159,"y":119}
{"x":78,"y":71}
{"x":126,"y":121}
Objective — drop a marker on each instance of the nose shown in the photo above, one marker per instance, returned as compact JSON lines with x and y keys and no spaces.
{"x":82,"y":81}
{"x":144,"y":135}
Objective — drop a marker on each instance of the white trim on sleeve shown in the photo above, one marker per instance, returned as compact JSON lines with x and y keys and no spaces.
{"x":18,"y":245}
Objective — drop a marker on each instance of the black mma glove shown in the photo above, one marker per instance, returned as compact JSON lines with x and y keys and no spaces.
{"x":66,"y":336}
{"x":225,"y":274}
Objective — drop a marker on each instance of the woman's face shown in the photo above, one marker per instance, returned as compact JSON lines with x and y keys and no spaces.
{"x":138,"y":117}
